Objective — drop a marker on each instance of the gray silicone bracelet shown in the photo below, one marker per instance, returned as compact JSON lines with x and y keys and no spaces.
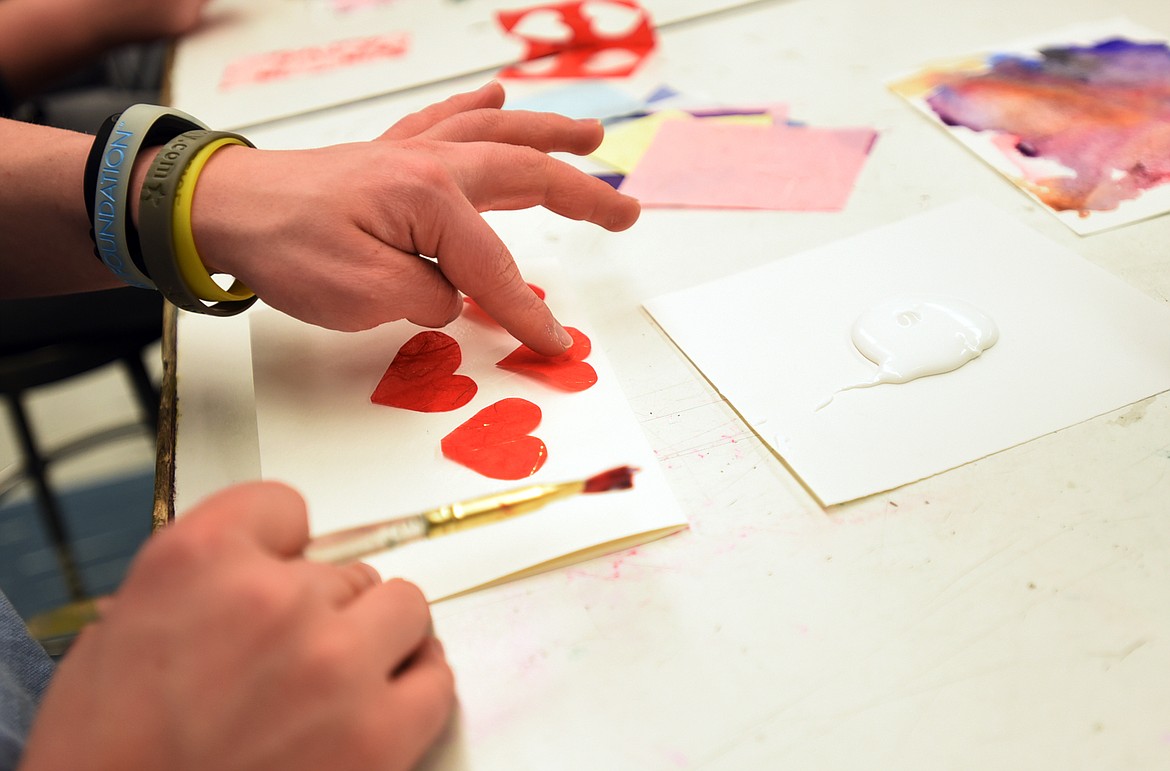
{"x":156,"y":225}
{"x":111,"y":196}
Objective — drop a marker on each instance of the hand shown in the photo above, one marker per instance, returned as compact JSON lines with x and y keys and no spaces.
{"x":223,"y":649}
{"x":334,"y":236}
{"x":132,"y":21}
{"x":43,"y":40}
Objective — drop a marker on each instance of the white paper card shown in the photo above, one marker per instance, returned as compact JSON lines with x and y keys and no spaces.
{"x":1074,"y":342}
{"x":357,"y":462}
{"x":260,"y":60}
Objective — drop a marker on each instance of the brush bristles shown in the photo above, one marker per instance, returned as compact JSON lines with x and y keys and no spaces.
{"x":620,"y":478}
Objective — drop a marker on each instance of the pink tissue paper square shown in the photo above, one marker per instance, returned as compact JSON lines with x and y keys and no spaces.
{"x":726,"y":165}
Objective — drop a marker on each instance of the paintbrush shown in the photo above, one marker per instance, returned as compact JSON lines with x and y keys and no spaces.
{"x":56,"y":629}
{"x":357,"y":542}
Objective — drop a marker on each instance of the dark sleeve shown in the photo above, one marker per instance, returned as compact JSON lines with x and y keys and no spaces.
{"x":6,"y":103}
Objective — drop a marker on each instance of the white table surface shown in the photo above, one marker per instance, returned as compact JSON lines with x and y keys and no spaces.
{"x":1012,"y":613}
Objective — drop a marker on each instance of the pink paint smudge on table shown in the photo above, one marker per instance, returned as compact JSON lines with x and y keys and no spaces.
{"x":346,"y":6}
{"x":1102,"y":112}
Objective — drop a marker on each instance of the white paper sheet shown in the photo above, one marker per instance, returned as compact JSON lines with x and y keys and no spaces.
{"x":358,"y":462}
{"x":440,"y":39}
{"x":1074,"y":342}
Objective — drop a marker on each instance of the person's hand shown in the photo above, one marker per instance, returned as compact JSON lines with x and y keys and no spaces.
{"x":43,"y":40}
{"x":224,"y":650}
{"x":131,"y":21}
{"x":333,"y":236}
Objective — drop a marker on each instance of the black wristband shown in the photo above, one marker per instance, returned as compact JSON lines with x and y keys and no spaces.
{"x":89,"y":181}
{"x":138,"y":127}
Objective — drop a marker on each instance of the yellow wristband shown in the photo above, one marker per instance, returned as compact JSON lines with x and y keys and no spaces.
{"x":191,"y":267}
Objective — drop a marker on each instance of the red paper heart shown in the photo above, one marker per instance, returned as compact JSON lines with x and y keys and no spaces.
{"x":496,"y":441}
{"x":472,"y":310}
{"x":568,"y":372}
{"x":421,"y":376}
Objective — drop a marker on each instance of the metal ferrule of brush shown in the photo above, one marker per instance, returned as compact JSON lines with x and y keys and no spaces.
{"x":490,"y":508}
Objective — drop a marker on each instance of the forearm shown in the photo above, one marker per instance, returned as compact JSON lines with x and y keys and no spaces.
{"x":44,"y":230}
{"x":40,"y":41}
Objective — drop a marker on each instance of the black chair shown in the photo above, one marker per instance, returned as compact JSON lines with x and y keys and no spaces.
{"x":50,"y":339}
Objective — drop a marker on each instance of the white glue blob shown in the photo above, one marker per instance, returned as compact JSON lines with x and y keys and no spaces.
{"x":918,"y":336}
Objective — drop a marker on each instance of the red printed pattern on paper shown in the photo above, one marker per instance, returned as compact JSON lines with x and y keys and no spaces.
{"x":282,"y":65}
{"x":590,"y":38}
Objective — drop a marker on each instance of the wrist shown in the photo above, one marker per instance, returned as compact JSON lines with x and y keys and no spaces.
{"x":211,"y":222}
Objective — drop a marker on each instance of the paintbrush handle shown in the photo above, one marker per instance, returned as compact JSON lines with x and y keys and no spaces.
{"x":358,"y":542}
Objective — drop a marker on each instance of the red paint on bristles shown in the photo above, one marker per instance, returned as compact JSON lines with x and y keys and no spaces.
{"x":620,"y":478}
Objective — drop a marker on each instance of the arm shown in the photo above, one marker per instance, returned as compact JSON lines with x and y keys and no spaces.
{"x":224,"y":649}
{"x":333,"y":236}
{"x":44,"y":231}
{"x":374,"y":207}
{"x":41,"y":40}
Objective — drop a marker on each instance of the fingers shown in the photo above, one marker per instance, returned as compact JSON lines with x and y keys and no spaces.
{"x":488,"y":96}
{"x":272,"y":514}
{"x":428,"y":686}
{"x":504,"y":177}
{"x":396,"y":615}
{"x":547,"y":132}
{"x":473,"y":258}
{"x":340,"y":584}
{"x":423,"y":295}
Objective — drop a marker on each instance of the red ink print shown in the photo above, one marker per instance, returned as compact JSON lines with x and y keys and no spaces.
{"x":282,"y":65}
{"x":496,"y":442}
{"x":473,"y":311}
{"x":346,"y":6}
{"x":568,"y":372}
{"x":599,"y":38}
{"x":422,"y":376}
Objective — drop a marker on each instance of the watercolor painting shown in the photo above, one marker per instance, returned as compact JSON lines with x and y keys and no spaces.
{"x":1082,"y":126}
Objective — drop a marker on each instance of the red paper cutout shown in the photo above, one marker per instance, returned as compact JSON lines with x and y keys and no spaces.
{"x":568,"y":372}
{"x":496,"y":441}
{"x":422,"y":376}
{"x":473,"y":311}
{"x":590,"y":39}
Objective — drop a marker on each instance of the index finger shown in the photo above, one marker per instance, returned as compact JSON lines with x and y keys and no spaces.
{"x":489,"y":95}
{"x":476,"y":261}
{"x":270,"y":513}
